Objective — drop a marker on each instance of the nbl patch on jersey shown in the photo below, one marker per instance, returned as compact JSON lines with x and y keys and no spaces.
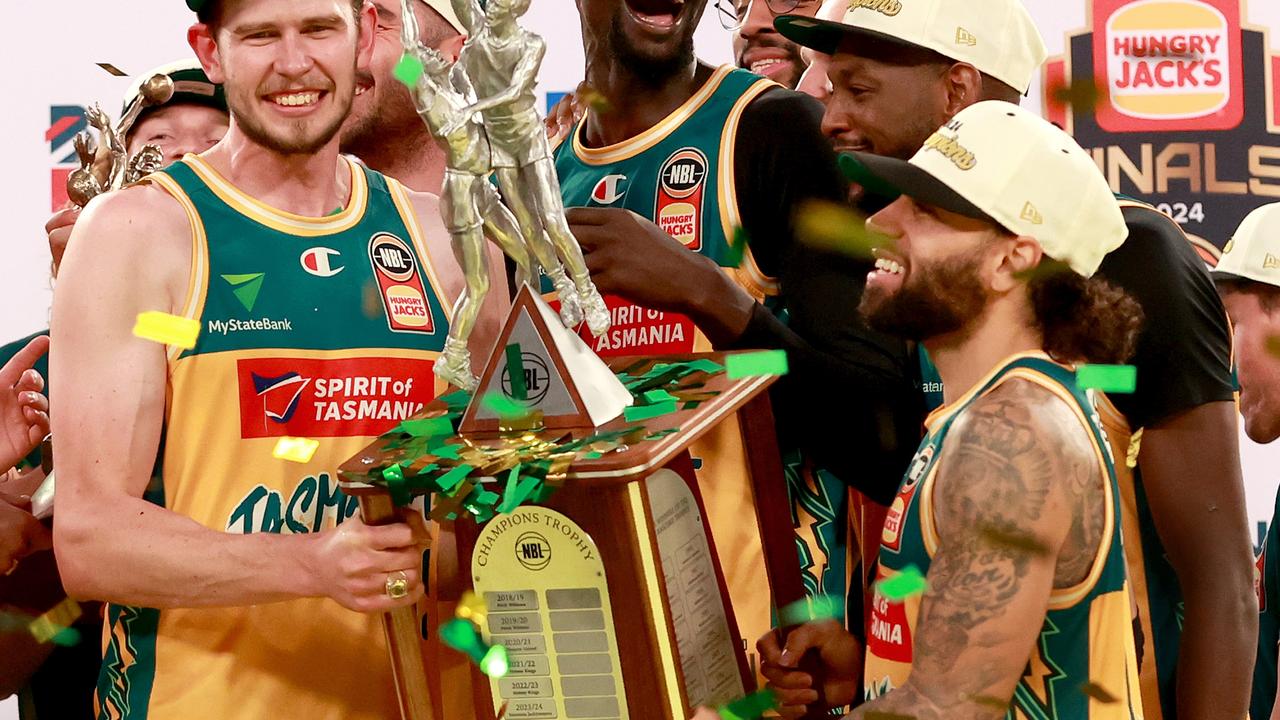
{"x":404,"y":296}
{"x":681,"y":187}
{"x":891,"y":535}
{"x":342,"y":397}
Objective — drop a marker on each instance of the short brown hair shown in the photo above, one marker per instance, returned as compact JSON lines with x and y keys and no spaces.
{"x":1084,"y":319}
{"x":211,"y":12}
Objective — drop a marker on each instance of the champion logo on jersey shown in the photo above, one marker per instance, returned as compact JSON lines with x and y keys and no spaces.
{"x":316,"y":261}
{"x":610,"y":189}
{"x":280,"y":394}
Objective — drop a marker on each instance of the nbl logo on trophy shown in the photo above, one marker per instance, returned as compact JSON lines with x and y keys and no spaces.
{"x":1185,"y":115}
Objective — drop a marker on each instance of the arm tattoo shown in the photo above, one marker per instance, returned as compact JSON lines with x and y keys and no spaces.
{"x":1016,"y":466}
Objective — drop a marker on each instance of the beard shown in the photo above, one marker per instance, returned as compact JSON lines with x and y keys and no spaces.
{"x":390,"y":115}
{"x":933,"y":300}
{"x":651,"y":70}
{"x":792,"y":50}
{"x":295,"y":137}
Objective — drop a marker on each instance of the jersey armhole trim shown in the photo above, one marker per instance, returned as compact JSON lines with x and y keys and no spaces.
{"x":748,"y":273}
{"x":1059,"y":598}
{"x":198,"y":277}
{"x":409,"y":216}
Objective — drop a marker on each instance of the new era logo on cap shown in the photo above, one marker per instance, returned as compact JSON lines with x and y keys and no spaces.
{"x":1031,"y":214}
{"x":1253,"y":253}
{"x":998,"y":37}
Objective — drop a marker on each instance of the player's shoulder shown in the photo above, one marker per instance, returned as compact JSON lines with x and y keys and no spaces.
{"x":139,"y":226}
{"x":777,"y":104}
{"x":1023,"y":416}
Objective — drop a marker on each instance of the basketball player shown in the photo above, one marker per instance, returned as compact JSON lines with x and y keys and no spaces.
{"x":895,"y":77}
{"x":241,"y":584}
{"x":1249,"y":282}
{"x":1010,"y":508}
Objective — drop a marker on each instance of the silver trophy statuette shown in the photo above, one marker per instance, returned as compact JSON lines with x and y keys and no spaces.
{"x":500,"y":62}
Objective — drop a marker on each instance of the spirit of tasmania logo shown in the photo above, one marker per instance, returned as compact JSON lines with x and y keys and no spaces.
{"x":1176,"y":101}
{"x":342,"y":397}
{"x":64,"y":122}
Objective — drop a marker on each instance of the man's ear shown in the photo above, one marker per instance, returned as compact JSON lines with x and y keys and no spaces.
{"x":201,"y":39}
{"x":367,"y":28}
{"x":963,"y":87}
{"x":451,"y":47}
{"x":1021,"y":258}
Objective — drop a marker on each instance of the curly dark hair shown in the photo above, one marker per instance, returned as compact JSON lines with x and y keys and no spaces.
{"x":1084,"y":319}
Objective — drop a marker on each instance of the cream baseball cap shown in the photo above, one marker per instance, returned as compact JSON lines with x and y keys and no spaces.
{"x":998,"y":37}
{"x":445,"y":8}
{"x":997,"y":162}
{"x":1253,"y":253}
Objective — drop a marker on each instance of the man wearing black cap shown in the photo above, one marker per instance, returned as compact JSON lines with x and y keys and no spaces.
{"x":902,"y":67}
{"x":240,"y":580}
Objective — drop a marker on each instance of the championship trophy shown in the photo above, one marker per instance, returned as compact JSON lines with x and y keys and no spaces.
{"x":105,"y":164}
{"x":573,"y":538}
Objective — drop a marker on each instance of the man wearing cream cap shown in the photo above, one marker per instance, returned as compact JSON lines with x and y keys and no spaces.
{"x":901,"y":68}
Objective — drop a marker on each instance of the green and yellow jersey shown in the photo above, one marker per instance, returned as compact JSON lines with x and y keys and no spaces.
{"x":680,"y":174}
{"x":323,"y":328}
{"x":1087,"y":636}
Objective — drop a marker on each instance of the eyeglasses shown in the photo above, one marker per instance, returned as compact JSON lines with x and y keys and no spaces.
{"x":727,"y":13}
{"x":732,"y":16}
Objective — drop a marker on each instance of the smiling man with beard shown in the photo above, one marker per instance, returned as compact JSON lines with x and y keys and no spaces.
{"x":384,"y":129}
{"x":239,"y":584}
{"x":1010,"y":508}
{"x":760,"y":48}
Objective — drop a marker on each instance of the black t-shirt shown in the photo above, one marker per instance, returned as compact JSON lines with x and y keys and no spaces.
{"x":851,"y":401}
{"x":1184,"y":350}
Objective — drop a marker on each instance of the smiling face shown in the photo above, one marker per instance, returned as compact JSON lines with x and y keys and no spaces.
{"x":883,"y":108}
{"x":930,"y":281}
{"x":652,"y":39}
{"x":1256,"y":320}
{"x":760,"y":48}
{"x":288,"y":67}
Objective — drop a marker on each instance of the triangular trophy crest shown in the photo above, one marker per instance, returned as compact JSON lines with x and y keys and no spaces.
{"x":563,"y":378}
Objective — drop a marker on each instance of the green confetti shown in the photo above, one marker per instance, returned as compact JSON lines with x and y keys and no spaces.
{"x":593,"y":455}
{"x":636,"y":413}
{"x":903,"y":585}
{"x":818,"y":607}
{"x":1117,"y":379}
{"x":67,"y":637}
{"x":409,"y":70}
{"x":515,"y":371}
{"x":654,"y":397}
{"x":462,"y":635}
{"x":429,"y":427}
{"x":505,"y":407}
{"x":456,"y":400}
{"x":707,"y":366}
{"x":394,"y":476}
{"x":486,"y":497}
{"x":450,"y":480}
{"x":495,"y":662}
{"x":737,"y":248}
{"x":767,"y":362}
{"x":446,"y":451}
{"x":750,"y":707}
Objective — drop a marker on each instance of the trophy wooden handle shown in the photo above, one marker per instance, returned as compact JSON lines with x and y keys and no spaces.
{"x":401,"y":627}
{"x":777,"y":535}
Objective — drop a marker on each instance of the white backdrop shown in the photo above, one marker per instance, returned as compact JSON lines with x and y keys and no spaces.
{"x":49,"y":58}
